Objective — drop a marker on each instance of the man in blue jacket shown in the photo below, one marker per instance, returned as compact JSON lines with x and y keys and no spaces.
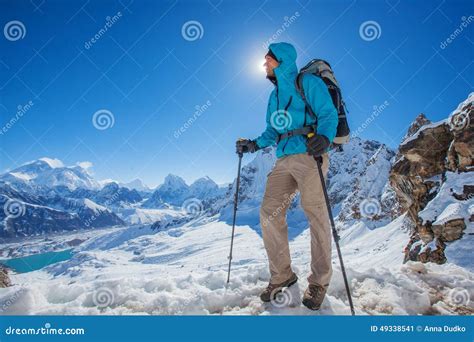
{"x":295,"y":169}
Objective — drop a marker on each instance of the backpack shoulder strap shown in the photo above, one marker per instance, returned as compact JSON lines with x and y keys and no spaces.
{"x":300,"y":89}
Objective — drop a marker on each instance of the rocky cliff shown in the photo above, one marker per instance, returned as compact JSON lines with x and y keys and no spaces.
{"x":433,"y":178}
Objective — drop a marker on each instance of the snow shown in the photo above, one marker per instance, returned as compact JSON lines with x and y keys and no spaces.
{"x":136,"y":184}
{"x":85,"y":164}
{"x":445,"y":207}
{"x":451,"y":212}
{"x":52,"y":162}
{"x":421,"y":129}
{"x":203,"y":187}
{"x":94,"y":206}
{"x":182,"y":270}
{"x":148,"y":216}
{"x":106,"y":181}
{"x":23,"y":176}
{"x":49,"y":172}
{"x":430,"y":245}
{"x":460,"y":251}
{"x":466,"y":102}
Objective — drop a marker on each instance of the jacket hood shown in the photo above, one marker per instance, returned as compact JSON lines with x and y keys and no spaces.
{"x":286,"y":56}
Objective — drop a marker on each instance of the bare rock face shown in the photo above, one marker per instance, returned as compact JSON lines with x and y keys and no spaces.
{"x":421,"y":156}
{"x":451,"y":230}
{"x":433,"y":159}
{"x":420,"y":121}
{"x":4,"y":279}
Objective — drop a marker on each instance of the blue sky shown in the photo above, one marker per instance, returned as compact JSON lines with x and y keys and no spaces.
{"x":151,"y":79}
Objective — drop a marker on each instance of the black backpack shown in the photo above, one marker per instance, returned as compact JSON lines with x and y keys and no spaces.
{"x":322,"y":69}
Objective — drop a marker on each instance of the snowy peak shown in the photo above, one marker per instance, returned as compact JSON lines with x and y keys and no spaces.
{"x":136,"y":184}
{"x":203,"y":187}
{"x":254,"y":174}
{"x":175,"y":191}
{"x":358,"y":178}
{"x":53,"y":163}
{"x":173,"y":182}
{"x":48,"y":172}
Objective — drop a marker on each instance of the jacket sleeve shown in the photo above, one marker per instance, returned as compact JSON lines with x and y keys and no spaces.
{"x":269,"y":136}
{"x":318,"y":97}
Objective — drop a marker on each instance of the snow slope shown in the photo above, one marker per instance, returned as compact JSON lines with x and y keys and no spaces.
{"x":182,"y":270}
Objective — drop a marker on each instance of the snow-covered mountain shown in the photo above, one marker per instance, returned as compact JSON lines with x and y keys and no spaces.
{"x":113,"y":194}
{"x":203,"y":188}
{"x":47,"y":190}
{"x":26,"y":214}
{"x":358,"y":183}
{"x":47,"y":172}
{"x":253,"y":178}
{"x":44,"y":197}
{"x":174,"y":191}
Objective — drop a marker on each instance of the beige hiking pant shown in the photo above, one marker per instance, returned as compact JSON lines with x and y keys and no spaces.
{"x":292,"y":173}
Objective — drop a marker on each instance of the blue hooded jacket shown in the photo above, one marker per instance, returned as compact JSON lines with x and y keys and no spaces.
{"x":286,"y":108}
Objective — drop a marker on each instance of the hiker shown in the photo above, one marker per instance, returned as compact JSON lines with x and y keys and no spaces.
{"x":287,"y":119}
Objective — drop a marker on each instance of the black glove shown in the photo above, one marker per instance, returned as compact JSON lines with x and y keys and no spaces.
{"x":245,"y":146}
{"x":317,"y":145}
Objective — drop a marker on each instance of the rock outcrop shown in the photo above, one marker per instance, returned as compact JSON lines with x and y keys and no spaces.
{"x":4,"y":279}
{"x":433,"y":178}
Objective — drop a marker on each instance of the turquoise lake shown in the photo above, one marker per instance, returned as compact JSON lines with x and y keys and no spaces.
{"x":37,"y":261}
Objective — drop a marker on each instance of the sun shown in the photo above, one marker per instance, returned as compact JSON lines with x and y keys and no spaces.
{"x":261,"y":66}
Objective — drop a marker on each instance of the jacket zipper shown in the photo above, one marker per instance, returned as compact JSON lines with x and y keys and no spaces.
{"x":286,"y":108}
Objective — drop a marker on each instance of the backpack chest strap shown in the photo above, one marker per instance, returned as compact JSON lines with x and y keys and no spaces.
{"x":298,"y":131}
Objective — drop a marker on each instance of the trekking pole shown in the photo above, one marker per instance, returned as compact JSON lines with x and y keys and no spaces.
{"x":334,"y":232}
{"x":236,"y":199}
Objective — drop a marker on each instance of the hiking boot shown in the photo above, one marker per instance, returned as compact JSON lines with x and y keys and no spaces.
{"x":314,"y":296}
{"x":272,"y":290}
